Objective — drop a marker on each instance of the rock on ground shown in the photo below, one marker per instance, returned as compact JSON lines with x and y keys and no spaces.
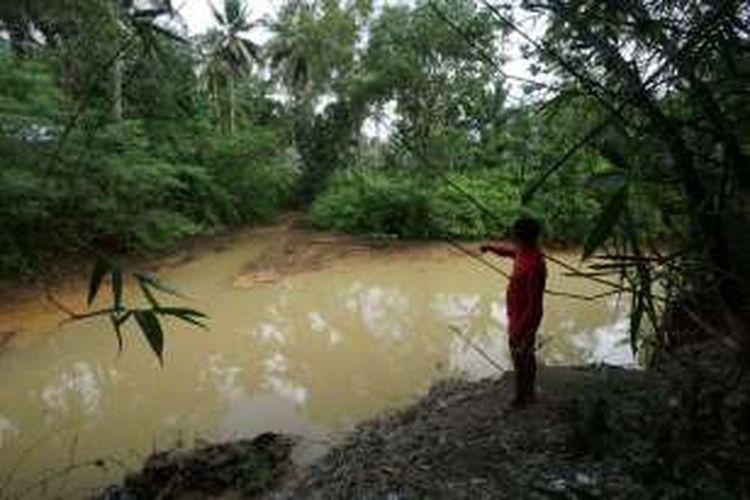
{"x":245,"y":467}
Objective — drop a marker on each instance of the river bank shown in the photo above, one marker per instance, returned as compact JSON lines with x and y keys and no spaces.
{"x":596,"y":432}
{"x":292,"y":247}
{"x":462,"y":441}
{"x":288,"y":247}
{"x":678,"y":430}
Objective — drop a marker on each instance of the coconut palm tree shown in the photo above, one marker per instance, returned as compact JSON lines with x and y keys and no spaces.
{"x":312,"y":45}
{"x":229,"y":56}
{"x":38,"y":23}
{"x":292,"y":49}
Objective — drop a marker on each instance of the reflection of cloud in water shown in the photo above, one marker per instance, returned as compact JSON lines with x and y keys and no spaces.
{"x":276,"y":368}
{"x":499,"y":313}
{"x":251,"y":414}
{"x":7,"y":429}
{"x":607,"y":344}
{"x":605,"y":341}
{"x":480,"y":330}
{"x":267,"y":331}
{"x":320,"y":325}
{"x":223,"y":377}
{"x":454,"y":305}
{"x":275,"y":363}
{"x":380,"y":309}
{"x":79,"y":381}
{"x":465,"y":359}
{"x":286,"y":389}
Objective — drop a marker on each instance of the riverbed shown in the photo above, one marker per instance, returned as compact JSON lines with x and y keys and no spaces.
{"x":309,"y":334}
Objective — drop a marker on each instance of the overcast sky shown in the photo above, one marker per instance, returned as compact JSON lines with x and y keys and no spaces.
{"x":197,"y":13}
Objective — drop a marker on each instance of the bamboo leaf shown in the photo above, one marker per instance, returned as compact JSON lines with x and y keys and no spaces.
{"x":101,"y":268}
{"x":147,"y":292}
{"x":529,"y":192}
{"x":181,"y":311}
{"x":117,"y":322}
{"x":185,"y":314}
{"x":636,"y":317}
{"x":118,"y":333}
{"x":151,"y":329}
{"x":117,"y":287}
{"x":605,"y":222}
{"x":191,"y":320}
{"x":151,"y":280}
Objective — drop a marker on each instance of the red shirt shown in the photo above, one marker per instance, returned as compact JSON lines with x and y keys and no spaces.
{"x":525,"y":293}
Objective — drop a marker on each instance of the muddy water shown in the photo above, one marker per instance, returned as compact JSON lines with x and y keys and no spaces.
{"x":309,"y":353}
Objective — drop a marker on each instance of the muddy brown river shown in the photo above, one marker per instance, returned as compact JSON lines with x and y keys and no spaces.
{"x":308,"y":352}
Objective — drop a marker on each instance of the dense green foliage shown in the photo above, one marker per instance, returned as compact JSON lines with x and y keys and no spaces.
{"x":453,"y":126}
{"x":479,"y":204}
{"x":119,"y":134}
{"x":666,"y":78}
{"x":122,"y":137}
{"x":161,"y":174}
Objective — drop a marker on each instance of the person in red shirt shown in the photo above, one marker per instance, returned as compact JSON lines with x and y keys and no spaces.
{"x":524,"y":299}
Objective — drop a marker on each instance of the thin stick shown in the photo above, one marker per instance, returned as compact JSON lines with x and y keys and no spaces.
{"x":478,"y":349}
{"x":28,"y":451}
{"x":74,"y":316}
{"x":548,"y":291}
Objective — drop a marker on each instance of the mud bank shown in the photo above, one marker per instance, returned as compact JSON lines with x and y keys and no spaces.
{"x":596,"y":432}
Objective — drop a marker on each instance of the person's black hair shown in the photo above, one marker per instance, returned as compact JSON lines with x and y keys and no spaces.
{"x":527,"y":230}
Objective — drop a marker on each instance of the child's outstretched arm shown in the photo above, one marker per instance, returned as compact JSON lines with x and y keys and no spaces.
{"x":501,"y":249}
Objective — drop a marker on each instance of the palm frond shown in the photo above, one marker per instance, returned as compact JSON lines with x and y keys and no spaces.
{"x":251,"y":49}
{"x":218,"y":16}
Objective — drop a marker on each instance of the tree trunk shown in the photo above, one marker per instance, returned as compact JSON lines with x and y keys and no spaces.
{"x":116,"y":91}
{"x":116,"y":72}
{"x":232,"y":104}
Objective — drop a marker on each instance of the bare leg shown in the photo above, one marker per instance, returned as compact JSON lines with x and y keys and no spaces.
{"x":519,"y":376}
{"x":520,"y":355}
{"x":524,"y":364}
{"x":530,"y":378}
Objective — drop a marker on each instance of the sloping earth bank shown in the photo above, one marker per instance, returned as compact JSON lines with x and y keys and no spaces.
{"x":462,"y":441}
{"x":596,"y":432}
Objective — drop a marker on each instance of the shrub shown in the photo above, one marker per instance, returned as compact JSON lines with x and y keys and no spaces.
{"x":371,"y":202}
{"x":256,"y":169}
{"x":473,"y":205}
{"x":408,"y":205}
